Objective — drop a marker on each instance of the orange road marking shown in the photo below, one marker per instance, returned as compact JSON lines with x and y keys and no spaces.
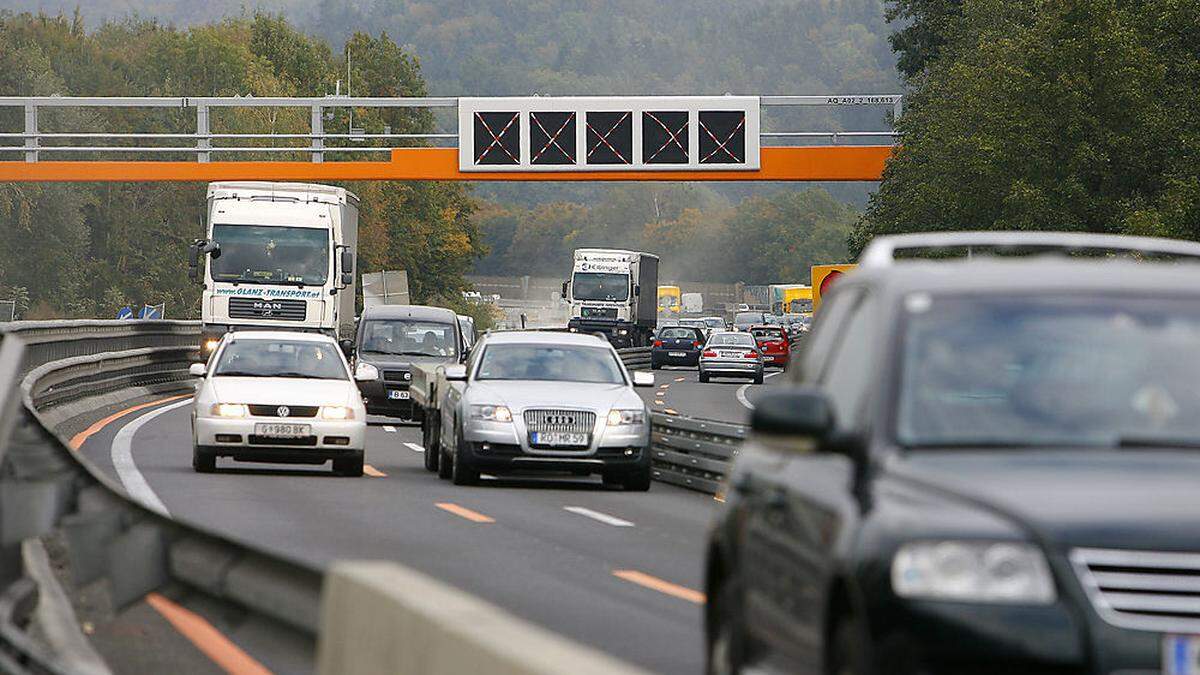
{"x":80,"y":438}
{"x":660,"y":585}
{"x":670,"y":411}
{"x":223,"y":652}
{"x":462,"y":512}
{"x":658,"y":402}
{"x":373,"y":472}
{"x":680,"y":379}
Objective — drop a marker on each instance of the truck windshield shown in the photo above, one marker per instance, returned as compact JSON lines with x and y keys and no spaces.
{"x":271,"y":255}
{"x":603,"y":286}
{"x":304,"y":359}
{"x":555,"y":363}
{"x":1059,"y":370}
{"x":409,"y":337}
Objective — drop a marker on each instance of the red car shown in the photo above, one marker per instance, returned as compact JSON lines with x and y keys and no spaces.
{"x":774,"y":344}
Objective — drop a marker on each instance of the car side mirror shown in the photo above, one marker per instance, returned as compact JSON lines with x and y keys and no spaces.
{"x":365,"y":372}
{"x":456,"y":373}
{"x":642,"y":378}
{"x":347,"y":346}
{"x":794,"y":411}
{"x":197,"y":370}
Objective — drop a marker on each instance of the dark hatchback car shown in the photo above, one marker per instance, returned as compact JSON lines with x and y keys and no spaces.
{"x":677,"y":346}
{"x":989,"y":466}
{"x":392,"y":338}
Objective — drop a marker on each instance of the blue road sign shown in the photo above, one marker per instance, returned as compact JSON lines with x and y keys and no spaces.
{"x":125,"y":313}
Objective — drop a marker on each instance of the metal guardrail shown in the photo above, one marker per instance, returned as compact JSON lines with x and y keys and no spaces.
{"x":693,"y":453}
{"x":635,"y":358}
{"x":33,"y":143}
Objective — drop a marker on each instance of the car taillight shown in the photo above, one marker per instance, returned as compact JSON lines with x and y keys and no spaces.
{"x":658,"y":343}
{"x":710,"y":353}
{"x":751,"y":355}
{"x":696,"y":345}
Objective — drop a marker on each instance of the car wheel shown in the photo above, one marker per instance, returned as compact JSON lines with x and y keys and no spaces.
{"x":462,"y":473}
{"x":445,"y":463}
{"x":429,"y":439}
{"x":758,"y":378}
{"x":351,"y":466}
{"x":655,"y":366}
{"x":848,"y":651}
{"x":204,"y":460}
{"x":726,"y":643}
{"x":703,"y":377}
{"x":637,"y":480}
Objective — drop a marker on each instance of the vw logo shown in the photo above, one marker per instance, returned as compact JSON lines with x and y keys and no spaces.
{"x":283,"y":411}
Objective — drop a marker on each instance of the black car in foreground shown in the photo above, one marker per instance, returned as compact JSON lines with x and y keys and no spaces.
{"x":676,"y":346}
{"x":983,"y":466}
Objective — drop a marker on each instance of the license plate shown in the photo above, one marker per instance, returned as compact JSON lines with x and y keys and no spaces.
{"x":275,"y":430}
{"x":730,"y":355}
{"x":677,"y":354}
{"x":559,"y":439}
{"x":398,"y":395}
{"x":1181,"y":655}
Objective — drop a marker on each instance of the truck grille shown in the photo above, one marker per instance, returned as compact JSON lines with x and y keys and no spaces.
{"x":598,"y":312}
{"x":397,"y":376}
{"x":565,"y":421}
{"x":261,"y":410}
{"x":276,"y":310}
{"x":1142,"y":590}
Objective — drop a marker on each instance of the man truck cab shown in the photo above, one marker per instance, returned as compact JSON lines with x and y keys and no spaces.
{"x":276,"y":256}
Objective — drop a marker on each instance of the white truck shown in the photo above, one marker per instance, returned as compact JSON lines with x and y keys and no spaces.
{"x":693,"y":303}
{"x":278,"y":256}
{"x":614,"y":293}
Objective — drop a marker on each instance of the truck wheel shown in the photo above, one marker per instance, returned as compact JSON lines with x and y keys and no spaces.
{"x":351,"y":466}
{"x":203,"y":459}
{"x":462,"y":473}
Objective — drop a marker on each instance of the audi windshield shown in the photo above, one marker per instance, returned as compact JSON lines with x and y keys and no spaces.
{"x":271,"y":255}
{"x":1052,"y":370}
{"x":603,"y":286}
{"x":554,"y":363}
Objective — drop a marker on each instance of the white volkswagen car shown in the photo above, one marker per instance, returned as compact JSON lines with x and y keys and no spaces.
{"x":277,"y":396}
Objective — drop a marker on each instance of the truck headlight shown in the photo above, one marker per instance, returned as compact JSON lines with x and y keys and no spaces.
{"x":973,"y":571}
{"x":210,"y":344}
{"x":229,"y":410}
{"x":337,"y":412}
{"x":491,"y":413}
{"x":618,"y":418}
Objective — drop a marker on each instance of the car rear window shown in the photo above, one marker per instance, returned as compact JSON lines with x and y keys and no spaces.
{"x":677,"y":333}
{"x":748,"y":317}
{"x":732,"y":340}
{"x":767,"y":333}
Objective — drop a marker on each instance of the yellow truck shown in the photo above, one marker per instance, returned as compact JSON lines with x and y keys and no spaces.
{"x":791,"y":299}
{"x":669,"y":300}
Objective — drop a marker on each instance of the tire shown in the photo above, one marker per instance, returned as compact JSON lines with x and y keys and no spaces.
{"x":637,"y":481}
{"x":655,"y":366}
{"x":703,"y":377}
{"x":444,"y":462}
{"x":758,"y":377}
{"x":351,"y":466}
{"x":461,"y":473}
{"x":429,"y":436}
{"x":204,"y":460}
{"x":726,"y":653}
{"x":847,"y":655}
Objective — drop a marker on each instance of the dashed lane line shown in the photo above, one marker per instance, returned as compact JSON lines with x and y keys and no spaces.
{"x":390,"y":429}
{"x":127,"y":471}
{"x":373,"y":472}
{"x":660,"y":585}
{"x":463,"y":512}
{"x":596,"y":515}
{"x":414,"y":447}
{"x":680,"y":379}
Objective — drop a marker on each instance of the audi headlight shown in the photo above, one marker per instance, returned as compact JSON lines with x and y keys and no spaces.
{"x":970,"y":571}
{"x":491,"y":413}
{"x":229,"y":410}
{"x":337,"y":412}
{"x":618,"y":418}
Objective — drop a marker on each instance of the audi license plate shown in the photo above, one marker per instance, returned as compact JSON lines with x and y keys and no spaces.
{"x":277,"y":430}
{"x":398,"y":395}
{"x":559,"y":439}
{"x":1181,"y":655}
{"x":677,"y":355}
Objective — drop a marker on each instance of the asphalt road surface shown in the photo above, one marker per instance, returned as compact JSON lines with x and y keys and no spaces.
{"x":619,"y":571}
{"x":721,"y":399}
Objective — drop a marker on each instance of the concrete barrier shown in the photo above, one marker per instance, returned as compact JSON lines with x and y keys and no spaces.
{"x":379,"y":617}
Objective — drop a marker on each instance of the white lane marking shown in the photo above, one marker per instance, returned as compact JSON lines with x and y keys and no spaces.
{"x":741,"y":392}
{"x":122,"y":459}
{"x":596,"y":515}
{"x":414,"y":447}
{"x":389,"y":429}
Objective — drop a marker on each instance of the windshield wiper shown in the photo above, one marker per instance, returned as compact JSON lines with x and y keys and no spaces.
{"x":404,"y":353}
{"x":239,"y":373}
{"x":1152,"y":442}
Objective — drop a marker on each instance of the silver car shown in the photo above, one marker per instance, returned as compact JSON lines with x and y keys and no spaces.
{"x":731,"y":354}
{"x":530,"y":401}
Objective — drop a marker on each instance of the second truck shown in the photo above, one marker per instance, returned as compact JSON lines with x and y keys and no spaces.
{"x":613,"y":293}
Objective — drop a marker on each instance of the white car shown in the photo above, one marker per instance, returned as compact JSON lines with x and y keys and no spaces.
{"x":278,"y":396}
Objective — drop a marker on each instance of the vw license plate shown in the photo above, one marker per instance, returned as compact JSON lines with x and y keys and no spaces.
{"x":398,"y":395}
{"x":559,"y":439}
{"x":276,"y":430}
{"x":1181,"y":655}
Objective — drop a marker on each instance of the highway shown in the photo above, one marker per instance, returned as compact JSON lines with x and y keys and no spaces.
{"x":619,"y":571}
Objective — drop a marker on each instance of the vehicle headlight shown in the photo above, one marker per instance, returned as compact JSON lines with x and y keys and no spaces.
{"x":211,"y":344}
{"x":492,"y":413}
{"x":337,"y":412}
{"x":230,"y":410}
{"x":973,"y":571}
{"x":618,"y":418}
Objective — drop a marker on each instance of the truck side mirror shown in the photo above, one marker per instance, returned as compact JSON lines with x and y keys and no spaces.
{"x":637,"y":289}
{"x":194,"y":262}
{"x":564,"y":290}
{"x":347,"y":267}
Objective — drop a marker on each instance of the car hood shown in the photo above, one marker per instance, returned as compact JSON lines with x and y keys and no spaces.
{"x":1133,"y":499}
{"x":520,"y":395}
{"x":283,"y":391}
{"x":387,"y":362}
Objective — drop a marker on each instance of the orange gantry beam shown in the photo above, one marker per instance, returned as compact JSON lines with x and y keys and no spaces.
{"x":804,"y":163}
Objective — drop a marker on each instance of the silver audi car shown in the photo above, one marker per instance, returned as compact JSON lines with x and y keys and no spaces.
{"x":530,"y":401}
